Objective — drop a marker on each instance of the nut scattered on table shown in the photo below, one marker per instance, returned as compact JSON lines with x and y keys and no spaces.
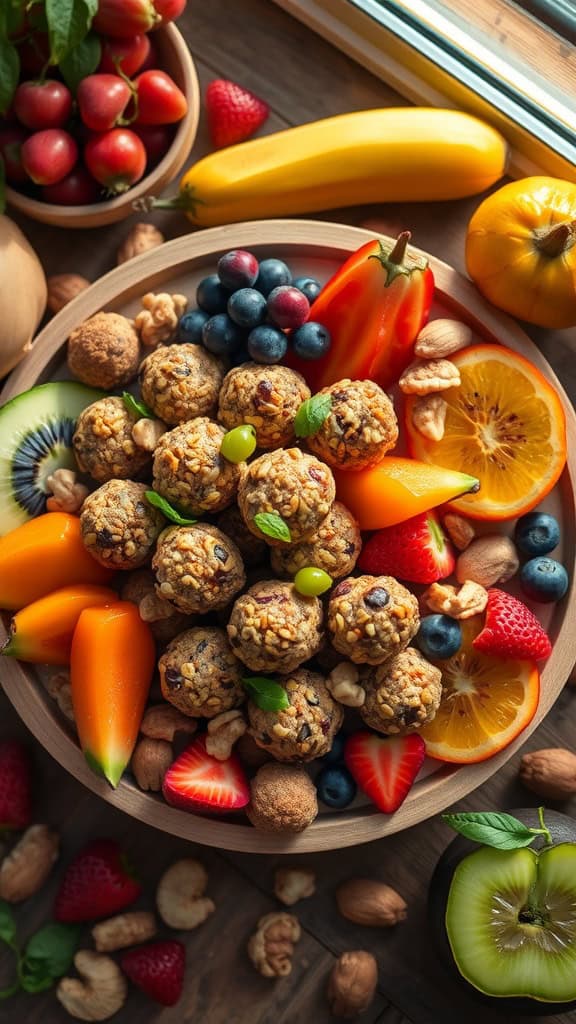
{"x":25,"y":869}
{"x":551,"y":773}
{"x":62,"y":288}
{"x":158,"y":320}
{"x":141,"y":238}
{"x":352,"y":984}
{"x":459,"y":529}
{"x":272,"y":946}
{"x":150,"y":762}
{"x":124,"y":930}
{"x":368,"y":902}
{"x":180,"y":895}
{"x":488,"y":560}
{"x":100,"y":991}
{"x":427,"y":377}
{"x":223,"y":731}
{"x":459,"y":602}
{"x":66,"y":493}
{"x":343,"y":683}
{"x":163,"y":721}
{"x":440,"y":338}
{"x":429,"y":416}
{"x":293,"y":884}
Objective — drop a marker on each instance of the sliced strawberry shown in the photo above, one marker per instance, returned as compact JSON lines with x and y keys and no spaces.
{"x":198,"y":782}
{"x":233,"y":113}
{"x":511,"y":630}
{"x":416,"y":550}
{"x":384,"y":768}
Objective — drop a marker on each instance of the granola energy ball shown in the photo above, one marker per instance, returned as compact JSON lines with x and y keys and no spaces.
{"x":180,"y":382}
{"x":294,"y":485}
{"x":119,"y":528}
{"x":189,"y":470}
{"x":371,"y":618}
{"x":103,"y":443}
{"x":402,"y":695}
{"x":268,"y":397}
{"x":273,"y":628}
{"x":282,"y":798}
{"x":360,"y":427}
{"x":334,"y":548}
{"x":199,"y":673}
{"x":104,"y":351}
{"x":253,"y":551}
{"x":304,"y":730}
{"x":197,"y":568}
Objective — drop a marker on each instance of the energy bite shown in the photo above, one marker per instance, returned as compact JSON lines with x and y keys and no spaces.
{"x":118,"y":526}
{"x":189,"y":470}
{"x":371,"y":618}
{"x":402,"y":695}
{"x":164,"y":620}
{"x":282,"y":798}
{"x":273,"y":628}
{"x":253,"y":550}
{"x":334,"y":548}
{"x":306,"y":728}
{"x":198,"y":568}
{"x":296,"y":486}
{"x":103,"y":442}
{"x":104,"y":351}
{"x":266,"y":396}
{"x":199,"y":673}
{"x":360,"y":427}
{"x":180,"y":382}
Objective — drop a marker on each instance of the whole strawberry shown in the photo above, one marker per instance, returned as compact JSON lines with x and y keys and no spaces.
{"x":233,"y":113}
{"x":416,"y":551}
{"x":15,"y":785}
{"x":511,"y":630}
{"x":158,"y":969}
{"x":96,"y":884}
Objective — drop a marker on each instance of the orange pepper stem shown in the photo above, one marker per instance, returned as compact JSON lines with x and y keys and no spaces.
{"x":557,"y":239}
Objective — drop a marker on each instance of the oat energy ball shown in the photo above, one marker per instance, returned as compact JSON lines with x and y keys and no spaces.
{"x":268,"y":397}
{"x":273,"y":628}
{"x":164,"y":620}
{"x":118,"y":526}
{"x":402,"y":695}
{"x":360,"y":427}
{"x":253,"y":550}
{"x":180,"y":382}
{"x":371,"y":618}
{"x":199,"y":673}
{"x":104,"y":351}
{"x":334,"y":548}
{"x":189,"y":470}
{"x":103,"y":443}
{"x":304,"y":730}
{"x":292,"y":484}
{"x":198,"y":568}
{"x":282,"y":798}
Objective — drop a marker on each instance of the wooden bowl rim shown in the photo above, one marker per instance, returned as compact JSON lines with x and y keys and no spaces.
{"x":434,"y":793}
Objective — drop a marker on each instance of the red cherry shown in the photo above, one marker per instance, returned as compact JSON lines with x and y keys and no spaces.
{"x":126,"y":55}
{"x":102,"y":99}
{"x":124,"y":18}
{"x":117,"y":159}
{"x":78,"y":188}
{"x":157,"y":139}
{"x":48,"y":156}
{"x":160,"y":101}
{"x":40,"y":105}
{"x":11,"y":139}
{"x":169,"y":10}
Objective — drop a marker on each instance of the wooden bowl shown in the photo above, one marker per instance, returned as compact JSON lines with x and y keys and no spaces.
{"x":175,"y":59}
{"x":315,"y":248}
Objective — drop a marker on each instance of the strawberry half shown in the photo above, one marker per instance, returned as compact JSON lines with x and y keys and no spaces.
{"x":384,"y":768}
{"x":198,"y":782}
{"x":511,"y":630}
{"x":416,"y":550}
{"x":233,"y":113}
{"x":157,"y":969}
{"x":98,"y":883}
{"x":15,"y":785}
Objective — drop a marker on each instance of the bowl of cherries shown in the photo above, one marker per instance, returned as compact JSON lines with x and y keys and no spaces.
{"x":99,"y":110}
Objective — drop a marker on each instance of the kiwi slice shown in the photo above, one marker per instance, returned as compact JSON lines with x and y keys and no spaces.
{"x":36,"y":431}
{"x":511,"y":922}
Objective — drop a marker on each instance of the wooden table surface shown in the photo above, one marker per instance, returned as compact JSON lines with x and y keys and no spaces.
{"x":302,"y":78}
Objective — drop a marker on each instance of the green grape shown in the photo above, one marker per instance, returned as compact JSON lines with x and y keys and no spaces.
{"x":311,"y":582}
{"x":239,"y":444}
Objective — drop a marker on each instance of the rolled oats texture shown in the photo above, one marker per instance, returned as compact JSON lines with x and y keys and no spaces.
{"x":103,"y":443}
{"x":268,"y":397}
{"x":282,"y":798}
{"x":402,"y":695}
{"x":119,"y":527}
{"x":189,"y":470}
{"x":200,"y":674}
{"x":180,"y":382}
{"x":360,"y":427}
{"x":198,"y":568}
{"x":371,"y":618}
{"x":253,"y":550}
{"x":305,"y":729}
{"x":334,"y":548}
{"x":273,"y":628}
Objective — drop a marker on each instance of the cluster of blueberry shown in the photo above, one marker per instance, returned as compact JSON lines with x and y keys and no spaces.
{"x":252,"y":311}
{"x":334,"y":783}
{"x":542,"y":579}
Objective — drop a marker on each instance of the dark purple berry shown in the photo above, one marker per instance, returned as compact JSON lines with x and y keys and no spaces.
{"x":247,"y":307}
{"x":237,"y":269}
{"x":309,"y":287}
{"x":266,"y":344}
{"x":221,"y":335}
{"x":311,"y":341}
{"x":190,"y":326}
{"x":211,"y":295}
{"x":287,"y":307}
{"x":271,"y":275}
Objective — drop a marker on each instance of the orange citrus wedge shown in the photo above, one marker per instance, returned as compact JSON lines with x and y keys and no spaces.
{"x":505,"y":424}
{"x":486,"y":703}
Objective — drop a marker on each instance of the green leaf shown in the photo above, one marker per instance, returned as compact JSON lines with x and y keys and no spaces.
{"x":139,"y":409}
{"x":34,"y":978}
{"x":502,"y":831}
{"x":311,"y":415}
{"x":167,"y":509}
{"x":68,"y":24}
{"x":51,"y":950}
{"x":81,"y":61}
{"x":9,"y":72}
{"x":7,"y":924}
{"x":272,"y":525}
{"x":266,"y":693}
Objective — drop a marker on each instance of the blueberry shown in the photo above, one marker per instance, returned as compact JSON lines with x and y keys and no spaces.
{"x":241,"y":355}
{"x":439,"y":636}
{"x":247,"y":307}
{"x":266,"y":344}
{"x":272,"y":274}
{"x":336,"y":754}
{"x":544,"y":580}
{"x":190,"y":327}
{"x":211,"y":295}
{"x":309,"y":287}
{"x":537,"y":533}
{"x":237,"y":269}
{"x":221,"y":335}
{"x":311,"y":341}
{"x":336,"y":787}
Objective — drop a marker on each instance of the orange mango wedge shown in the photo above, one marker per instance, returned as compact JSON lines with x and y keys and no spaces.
{"x":42,"y":631}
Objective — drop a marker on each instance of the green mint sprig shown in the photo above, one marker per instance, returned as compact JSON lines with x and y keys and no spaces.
{"x":167,"y":510}
{"x":47,"y":955}
{"x":311,"y":415}
{"x":267,"y":694}
{"x":136,"y":407}
{"x":272,"y":525}
{"x":502,"y":831}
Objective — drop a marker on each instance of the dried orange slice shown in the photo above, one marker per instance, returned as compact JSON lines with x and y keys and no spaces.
{"x":486,"y":702}
{"x":505,"y":424}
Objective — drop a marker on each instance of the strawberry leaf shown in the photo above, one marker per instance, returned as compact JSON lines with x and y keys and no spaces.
{"x":501,"y":831}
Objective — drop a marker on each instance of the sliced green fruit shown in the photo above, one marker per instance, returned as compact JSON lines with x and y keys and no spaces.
{"x":511,"y":922}
{"x":36,"y":431}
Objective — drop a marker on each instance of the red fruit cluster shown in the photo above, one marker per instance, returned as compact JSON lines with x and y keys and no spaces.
{"x":84,"y":147}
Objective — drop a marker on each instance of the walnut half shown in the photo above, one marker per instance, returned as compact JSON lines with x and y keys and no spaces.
{"x":272,"y":946}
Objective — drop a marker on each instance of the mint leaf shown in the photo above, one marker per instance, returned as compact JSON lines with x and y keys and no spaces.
{"x":34,"y":979}
{"x":311,"y":415}
{"x":272,"y":525}
{"x":502,"y":831}
{"x":167,"y":509}
{"x":51,"y":950}
{"x":266,"y":694}
{"x":139,"y":409}
{"x":81,"y":61}
{"x":7,"y":924}
{"x":68,"y":24}
{"x":9,"y":72}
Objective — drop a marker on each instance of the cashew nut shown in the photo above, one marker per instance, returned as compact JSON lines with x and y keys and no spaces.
{"x":66,"y":494}
{"x":180,"y":895}
{"x":343,"y":684}
{"x":293,"y":884}
{"x":124,"y":930}
{"x":27,"y":866}
{"x":150,"y":762}
{"x":100,"y":991}
{"x":223,"y":731}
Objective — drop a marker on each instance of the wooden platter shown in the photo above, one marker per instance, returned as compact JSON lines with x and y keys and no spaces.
{"x":315,"y":248}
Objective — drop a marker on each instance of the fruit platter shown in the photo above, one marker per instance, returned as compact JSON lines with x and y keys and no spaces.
{"x":287,"y":537}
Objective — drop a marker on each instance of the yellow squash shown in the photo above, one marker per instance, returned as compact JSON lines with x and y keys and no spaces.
{"x":370,"y":156}
{"x":521,"y":250}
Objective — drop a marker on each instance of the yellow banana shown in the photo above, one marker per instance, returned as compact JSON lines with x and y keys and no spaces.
{"x":370,"y":156}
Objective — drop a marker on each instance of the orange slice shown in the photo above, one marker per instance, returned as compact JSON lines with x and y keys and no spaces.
{"x":486,"y":703}
{"x":505,"y":425}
